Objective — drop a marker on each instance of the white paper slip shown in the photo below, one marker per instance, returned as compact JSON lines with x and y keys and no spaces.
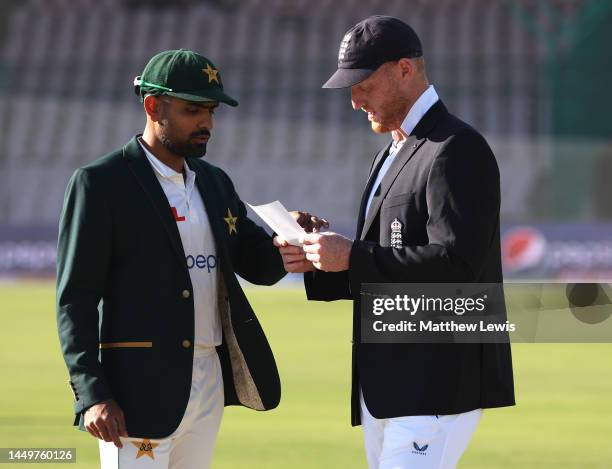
{"x":280,"y":220}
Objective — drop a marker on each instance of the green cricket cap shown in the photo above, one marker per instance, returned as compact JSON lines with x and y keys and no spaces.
{"x":183,"y":74}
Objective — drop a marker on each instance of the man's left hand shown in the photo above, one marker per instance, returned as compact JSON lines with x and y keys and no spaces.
{"x":294,"y":258}
{"x":328,"y":251}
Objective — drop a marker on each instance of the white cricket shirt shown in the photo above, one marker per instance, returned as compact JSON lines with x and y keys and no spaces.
{"x":198,"y":243}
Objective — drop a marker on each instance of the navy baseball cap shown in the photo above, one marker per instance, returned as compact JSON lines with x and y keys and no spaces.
{"x":371,"y":43}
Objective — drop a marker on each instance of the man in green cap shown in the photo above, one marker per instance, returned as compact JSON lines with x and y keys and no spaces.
{"x":155,"y":329}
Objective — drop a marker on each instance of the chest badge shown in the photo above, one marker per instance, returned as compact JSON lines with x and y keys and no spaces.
{"x":396,"y":234}
{"x":231,"y":222}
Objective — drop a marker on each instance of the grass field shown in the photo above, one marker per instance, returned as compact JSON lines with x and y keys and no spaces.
{"x":563,"y":418}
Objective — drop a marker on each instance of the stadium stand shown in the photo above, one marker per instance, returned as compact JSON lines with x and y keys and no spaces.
{"x":66,"y":68}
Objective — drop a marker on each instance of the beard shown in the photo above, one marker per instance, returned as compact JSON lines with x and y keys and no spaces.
{"x":391,"y":113}
{"x":380,"y":128}
{"x":185,"y":149}
{"x":387,"y":119}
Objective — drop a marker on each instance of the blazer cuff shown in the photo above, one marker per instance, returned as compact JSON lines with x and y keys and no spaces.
{"x":327,"y":286}
{"x":93,"y":389}
{"x":81,"y":406}
{"x":362,"y":267}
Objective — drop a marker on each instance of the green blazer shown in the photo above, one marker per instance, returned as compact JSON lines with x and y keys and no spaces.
{"x":125,"y":312}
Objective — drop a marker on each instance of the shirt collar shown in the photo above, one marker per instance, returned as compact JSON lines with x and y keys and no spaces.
{"x":419,"y":109}
{"x":166,"y":171}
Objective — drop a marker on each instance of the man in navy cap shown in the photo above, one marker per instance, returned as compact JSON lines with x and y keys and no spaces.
{"x":429,"y":214}
{"x":154,"y":327}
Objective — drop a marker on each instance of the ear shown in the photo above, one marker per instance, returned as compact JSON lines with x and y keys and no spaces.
{"x":407,"y":67}
{"x":152,"y":107}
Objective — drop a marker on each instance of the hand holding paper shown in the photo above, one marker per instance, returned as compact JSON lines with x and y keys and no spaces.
{"x":280,"y":220}
{"x":310,"y":223}
{"x":291,"y":226}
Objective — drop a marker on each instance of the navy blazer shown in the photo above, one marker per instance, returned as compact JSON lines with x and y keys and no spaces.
{"x":443,"y":186}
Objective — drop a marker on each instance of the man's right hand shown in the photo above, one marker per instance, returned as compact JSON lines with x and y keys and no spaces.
{"x":310,"y":223}
{"x":105,"y":421}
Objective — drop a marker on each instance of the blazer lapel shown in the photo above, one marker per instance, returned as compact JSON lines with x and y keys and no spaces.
{"x":376,"y":165}
{"x":401,"y":158}
{"x":142,"y":170}
{"x":410,"y":147}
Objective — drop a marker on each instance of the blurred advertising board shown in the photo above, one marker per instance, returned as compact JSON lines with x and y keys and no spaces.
{"x":540,"y":251}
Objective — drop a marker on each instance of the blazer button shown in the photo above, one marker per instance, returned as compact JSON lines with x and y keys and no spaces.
{"x":186,"y":294}
{"x":186,"y":343}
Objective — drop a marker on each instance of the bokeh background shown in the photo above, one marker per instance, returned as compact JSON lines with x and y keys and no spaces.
{"x":532,"y":75}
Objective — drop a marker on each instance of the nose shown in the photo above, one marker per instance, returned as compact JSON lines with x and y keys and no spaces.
{"x":207,"y":121}
{"x":356,"y":99}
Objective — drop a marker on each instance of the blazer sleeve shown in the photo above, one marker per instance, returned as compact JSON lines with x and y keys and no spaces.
{"x":463,"y":200}
{"x":83,"y":255}
{"x":254,"y":256}
{"x":327,"y":286}
{"x":330,"y":286}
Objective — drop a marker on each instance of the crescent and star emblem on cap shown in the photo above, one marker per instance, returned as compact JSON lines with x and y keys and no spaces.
{"x":212,"y":73}
{"x":145,"y":447}
{"x":231,"y":222}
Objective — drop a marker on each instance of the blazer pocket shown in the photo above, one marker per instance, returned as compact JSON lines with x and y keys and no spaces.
{"x":399,"y":199}
{"x":138,"y":344}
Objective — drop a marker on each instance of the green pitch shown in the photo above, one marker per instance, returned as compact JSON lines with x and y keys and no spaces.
{"x":564,"y":393}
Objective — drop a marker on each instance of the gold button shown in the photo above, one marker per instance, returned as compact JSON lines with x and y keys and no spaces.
{"x":186,"y":293}
{"x":186,"y":343}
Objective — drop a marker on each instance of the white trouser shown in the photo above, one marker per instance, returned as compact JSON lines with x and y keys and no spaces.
{"x":191,"y":445}
{"x":417,"y":442}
